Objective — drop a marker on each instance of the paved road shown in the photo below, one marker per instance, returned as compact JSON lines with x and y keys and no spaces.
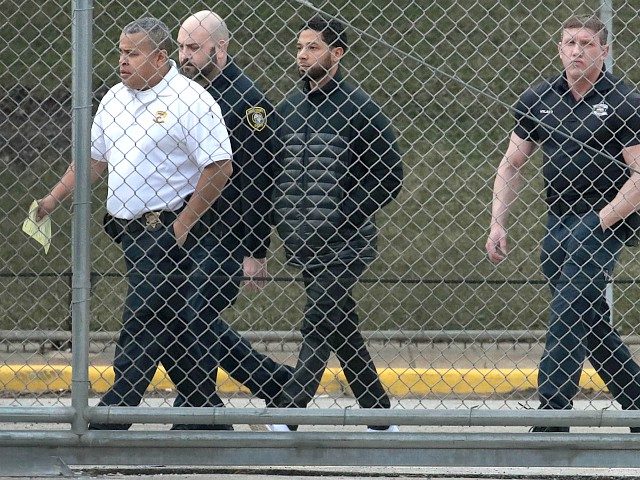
{"x":347,"y":473}
{"x":356,"y":474}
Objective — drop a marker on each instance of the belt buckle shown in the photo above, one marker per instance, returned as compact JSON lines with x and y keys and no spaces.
{"x":152,"y":221}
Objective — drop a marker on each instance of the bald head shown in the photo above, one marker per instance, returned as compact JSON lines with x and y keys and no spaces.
{"x":207,"y":23}
{"x":203,"y":40}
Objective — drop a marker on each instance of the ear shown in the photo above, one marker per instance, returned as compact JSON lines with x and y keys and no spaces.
{"x":162,"y":57}
{"x":220,"y":52}
{"x":221,"y":46}
{"x":337,"y":53}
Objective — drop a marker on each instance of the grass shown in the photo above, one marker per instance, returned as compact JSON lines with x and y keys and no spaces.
{"x":432,"y":238}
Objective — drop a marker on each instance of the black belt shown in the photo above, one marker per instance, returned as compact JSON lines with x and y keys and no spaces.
{"x":150,"y":221}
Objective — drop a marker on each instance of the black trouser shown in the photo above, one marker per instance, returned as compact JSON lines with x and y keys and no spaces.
{"x":218,"y":277}
{"x":578,"y":259}
{"x":159,"y":325}
{"x":331,"y":324}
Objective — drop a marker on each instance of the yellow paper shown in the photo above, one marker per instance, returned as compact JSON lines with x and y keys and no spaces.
{"x":39,"y":231}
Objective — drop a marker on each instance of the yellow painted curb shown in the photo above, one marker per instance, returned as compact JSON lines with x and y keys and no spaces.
{"x":400,"y":382}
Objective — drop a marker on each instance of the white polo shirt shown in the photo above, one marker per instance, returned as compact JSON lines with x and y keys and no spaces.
{"x":156,"y":143}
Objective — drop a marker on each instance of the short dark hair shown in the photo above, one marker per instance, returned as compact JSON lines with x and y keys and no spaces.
{"x":156,"y":30}
{"x":587,"y":22}
{"x":332,"y":31}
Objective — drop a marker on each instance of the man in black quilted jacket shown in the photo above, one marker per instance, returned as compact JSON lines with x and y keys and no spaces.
{"x":338,"y":164}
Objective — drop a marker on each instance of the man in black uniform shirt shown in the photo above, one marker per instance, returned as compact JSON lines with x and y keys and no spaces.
{"x":238,"y":219}
{"x":588,"y":125}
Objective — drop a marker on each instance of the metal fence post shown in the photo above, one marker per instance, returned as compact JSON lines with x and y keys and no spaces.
{"x":606,"y":15}
{"x":81,"y":123}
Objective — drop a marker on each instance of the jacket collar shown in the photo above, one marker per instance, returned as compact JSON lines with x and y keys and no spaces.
{"x":229,"y":73}
{"x":333,"y":83}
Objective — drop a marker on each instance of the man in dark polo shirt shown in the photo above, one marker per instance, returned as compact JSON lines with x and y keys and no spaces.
{"x":588,"y":125}
{"x":238,"y":219}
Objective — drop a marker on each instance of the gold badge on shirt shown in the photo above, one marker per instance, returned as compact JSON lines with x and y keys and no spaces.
{"x":257,"y":118}
{"x":160,"y":117}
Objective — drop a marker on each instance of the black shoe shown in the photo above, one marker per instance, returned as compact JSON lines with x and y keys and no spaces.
{"x":278,"y":402}
{"x":549,"y":429}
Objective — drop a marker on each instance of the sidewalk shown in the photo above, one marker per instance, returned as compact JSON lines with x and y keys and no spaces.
{"x":407,"y":369}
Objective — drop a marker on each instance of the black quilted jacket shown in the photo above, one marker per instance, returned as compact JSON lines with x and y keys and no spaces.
{"x":338,"y":163}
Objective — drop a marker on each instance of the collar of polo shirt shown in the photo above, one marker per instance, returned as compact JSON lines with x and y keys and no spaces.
{"x":160,"y":88}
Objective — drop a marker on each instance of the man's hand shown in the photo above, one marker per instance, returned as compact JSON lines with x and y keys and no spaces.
{"x":46,"y":205}
{"x":65,"y":187}
{"x":256,"y":270}
{"x":608,"y":217}
{"x":497,"y":244}
{"x":180,"y":231}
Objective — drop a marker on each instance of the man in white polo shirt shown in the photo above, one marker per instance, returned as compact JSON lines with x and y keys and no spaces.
{"x":167,"y":151}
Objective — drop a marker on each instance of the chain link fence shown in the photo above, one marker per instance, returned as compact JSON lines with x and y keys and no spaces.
{"x":446,"y":75}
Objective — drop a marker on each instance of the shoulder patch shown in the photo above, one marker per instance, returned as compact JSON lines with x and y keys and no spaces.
{"x":257,"y":118}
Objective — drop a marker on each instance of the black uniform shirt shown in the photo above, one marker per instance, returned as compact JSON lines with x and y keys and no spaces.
{"x":239,"y":215}
{"x":607,"y":120}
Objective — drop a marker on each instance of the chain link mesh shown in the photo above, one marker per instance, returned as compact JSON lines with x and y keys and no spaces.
{"x":445,"y":74}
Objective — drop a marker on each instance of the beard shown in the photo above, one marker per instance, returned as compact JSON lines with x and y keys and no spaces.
{"x":200,"y":74}
{"x":316,"y":72}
